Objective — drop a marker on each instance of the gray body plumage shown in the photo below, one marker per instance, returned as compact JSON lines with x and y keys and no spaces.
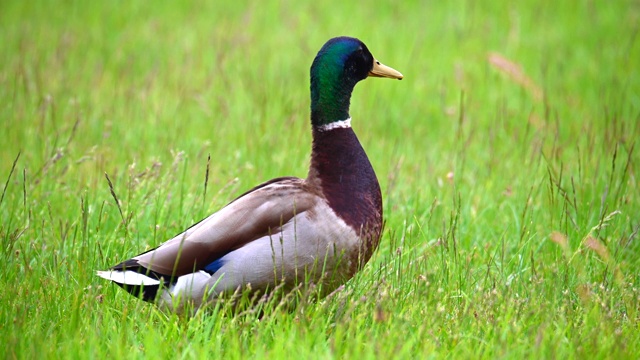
{"x":279,"y":232}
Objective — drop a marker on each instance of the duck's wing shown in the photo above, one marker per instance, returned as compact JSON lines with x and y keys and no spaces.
{"x":261,"y":211}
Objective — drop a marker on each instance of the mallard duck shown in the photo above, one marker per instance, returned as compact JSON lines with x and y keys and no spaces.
{"x":286,"y":231}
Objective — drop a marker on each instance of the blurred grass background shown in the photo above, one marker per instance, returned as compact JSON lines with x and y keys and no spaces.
{"x":506,"y":157}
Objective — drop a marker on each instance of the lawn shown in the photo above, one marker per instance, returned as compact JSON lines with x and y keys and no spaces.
{"x":508,"y":160}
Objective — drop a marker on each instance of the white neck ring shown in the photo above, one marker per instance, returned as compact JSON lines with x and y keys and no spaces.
{"x":342,"y":124}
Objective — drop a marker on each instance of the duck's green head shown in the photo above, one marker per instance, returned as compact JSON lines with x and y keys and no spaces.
{"x":339,"y":65}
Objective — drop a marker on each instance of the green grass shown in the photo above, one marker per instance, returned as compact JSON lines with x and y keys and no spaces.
{"x":512,"y":198}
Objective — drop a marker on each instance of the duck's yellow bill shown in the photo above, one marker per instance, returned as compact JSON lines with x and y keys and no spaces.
{"x":381,"y":70}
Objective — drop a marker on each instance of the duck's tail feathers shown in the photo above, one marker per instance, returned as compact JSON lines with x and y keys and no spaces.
{"x":128,"y":277}
{"x":136,"y":279}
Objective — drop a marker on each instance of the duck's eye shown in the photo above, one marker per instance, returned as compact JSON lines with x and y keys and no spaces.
{"x":377,"y":62}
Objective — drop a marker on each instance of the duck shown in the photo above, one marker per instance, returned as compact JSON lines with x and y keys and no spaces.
{"x":288,"y":231}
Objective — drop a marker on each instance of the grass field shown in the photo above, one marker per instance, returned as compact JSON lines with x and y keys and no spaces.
{"x":508,"y":159}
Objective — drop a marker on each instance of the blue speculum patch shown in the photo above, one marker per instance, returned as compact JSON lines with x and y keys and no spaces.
{"x":214,"y":266}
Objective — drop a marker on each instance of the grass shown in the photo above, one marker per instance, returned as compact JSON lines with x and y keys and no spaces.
{"x":508,"y":160}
